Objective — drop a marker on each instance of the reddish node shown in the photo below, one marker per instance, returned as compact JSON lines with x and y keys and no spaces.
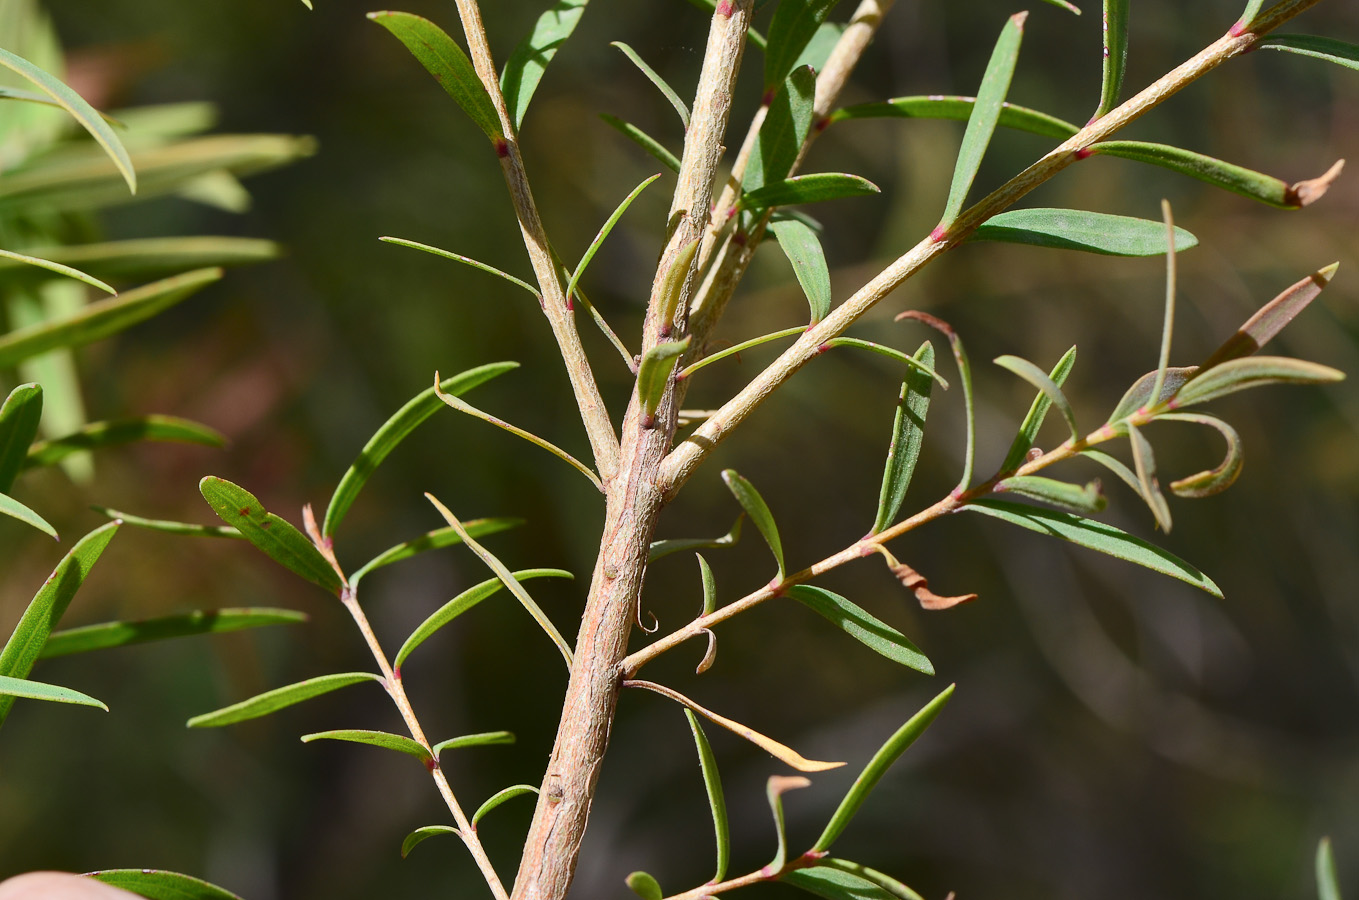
{"x":1084,"y":153}
{"x":724,"y":8}
{"x":502,"y":148}
{"x":939,"y":233}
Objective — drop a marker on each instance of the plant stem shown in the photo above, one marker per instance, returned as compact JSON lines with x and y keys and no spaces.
{"x":685,"y":459}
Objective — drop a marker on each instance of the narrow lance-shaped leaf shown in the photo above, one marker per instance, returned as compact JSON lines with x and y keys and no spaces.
{"x":1248,"y":17}
{"x":445,"y":60}
{"x":1086,"y":499}
{"x":643,"y":140}
{"x":712,"y":781}
{"x":48,"y":606}
{"x":964,"y":375}
{"x":58,"y":269}
{"x":655,"y":78}
{"x":276,"y":537}
{"x":786,"y":125}
{"x":16,"y":510}
{"x":99,"y":435}
{"x":1227,"y":176}
{"x":169,"y":527}
{"x":705,"y":573}
{"x":784,"y":754}
{"x":279,"y":698}
{"x":671,"y":290}
{"x":394,"y":431}
{"x":802,"y":247}
{"x":644,"y":885}
{"x":774,"y":791}
{"x":484,"y":739}
{"x":461,"y":604}
{"x":837,"y":879}
{"x":1066,"y":5}
{"x":432,"y":540}
{"x":1116,"y":466}
{"x":103,"y":318}
{"x":24,"y":689}
{"x":868,"y":779}
{"x":1139,"y":396}
{"x":1038,"y":411}
{"x":19,"y":419}
{"x":1249,"y":372}
{"x":207,"y":621}
{"x":1271,"y":319}
{"x":1168,"y":326}
{"x":1144,"y":464}
{"x":1339,"y":52}
{"x":1215,"y":480}
{"x":1115,"y":54}
{"x":908,"y":435}
{"x":736,"y":349}
{"x":419,"y":835}
{"x":1097,"y":536}
{"x":499,"y":797}
{"x":526,"y":65}
{"x":88,"y":117}
{"x":156,"y":884}
{"x":150,"y":257}
{"x":653,"y":376}
{"x":1039,"y":379}
{"x":465,"y":260}
{"x":958,"y":108}
{"x":664,"y":548}
{"x":815,"y":188}
{"x":985,"y":115}
{"x":1090,"y":232}
{"x":1328,"y":883}
{"x":604,"y":233}
{"x":759,"y":513}
{"x":794,"y":24}
{"x":383,"y":739}
{"x":868,"y":630}
{"x":506,"y":577}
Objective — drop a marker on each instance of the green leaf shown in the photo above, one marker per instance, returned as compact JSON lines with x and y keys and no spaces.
{"x":461,"y":604}
{"x":1020,"y":118}
{"x":150,"y":257}
{"x":965,"y":375}
{"x":645,"y":886}
{"x":16,"y":510}
{"x":56,"y":267}
{"x":868,"y":779}
{"x":279,"y":698}
{"x":88,"y":117}
{"x":712,"y":781}
{"x":786,"y":125}
{"x":19,"y":419}
{"x":837,"y":884}
{"x":394,"y":431}
{"x":759,"y":513}
{"x":1073,"y":229}
{"x":1086,"y":499}
{"x":803,"y":249}
{"x":1139,"y":396}
{"x":985,"y":116}
{"x":1033,"y":422}
{"x":1272,"y":318}
{"x":662,"y":549}
{"x":643,"y":140}
{"x":794,"y":25}
{"x":774,"y":791}
{"x":500,"y":797}
{"x":1248,"y":17}
{"x":102,"y":318}
{"x":465,"y":260}
{"x":1066,"y":5}
{"x":1329,"y":49}
{"x":653,"y":376}
{"x":1249,"y":372}
{"x":1050,"y":389}
{"x":168,"y":527}
{"x":1328,"y":883}
{"x":420,"y":834}
{"x":809,"y":189}
{"x":526,"y":65}
{"x":276,"y":537}
{"x":604,"y":234}
{"x":819,"y":49}
{"x":506,"y":577}
{"x":1168,"y":326}
{"x":381,"y":739}
{"x":485,"y":739}
{"x":99,"y":435}
{"x":908,"y":435}
{"x":433,"y":540}
{"x":1227,"y":176}
{"x":1097,"y":536}
{"x":736,"y":349}
{"x":204,"y":621}
{"x":709,"y":585}
{"x":868,"y":630}
{"x":1115,"y":465}
{"x":1216,"y":480}
{"x":36,"y":690}
{"x":1115,"y":54}
{"x":895,"y":889}
{"x":48,"y":606}
{"x":445,"y":60}
{"x":155,"y":884}
{"x":655,"y":78}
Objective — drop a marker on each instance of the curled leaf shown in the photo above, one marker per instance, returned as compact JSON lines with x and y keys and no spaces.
{"x":774,"y":791}
{"x":917,"y":584}
{"x":709,"y":656}
{"x":1216,"y":480}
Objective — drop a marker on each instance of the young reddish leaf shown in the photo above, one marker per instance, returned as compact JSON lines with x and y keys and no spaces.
{"x":1139,"y":397}
{"x":279,"y":698}
{"x":1072,"y":229}
{"x":207,"y":621}
{"x":276,"y":537}
{"x":1272,"y":318}
{"x":908,"y":436}
{"x":526,"y":65}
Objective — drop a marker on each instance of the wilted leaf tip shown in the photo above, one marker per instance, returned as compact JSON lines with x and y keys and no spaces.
{"x":1305,"y":193}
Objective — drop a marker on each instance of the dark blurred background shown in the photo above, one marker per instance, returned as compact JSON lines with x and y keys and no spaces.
{"x":1114,"y":735}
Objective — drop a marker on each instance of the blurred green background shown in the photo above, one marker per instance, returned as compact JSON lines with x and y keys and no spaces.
{"x":1114,"y":735}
